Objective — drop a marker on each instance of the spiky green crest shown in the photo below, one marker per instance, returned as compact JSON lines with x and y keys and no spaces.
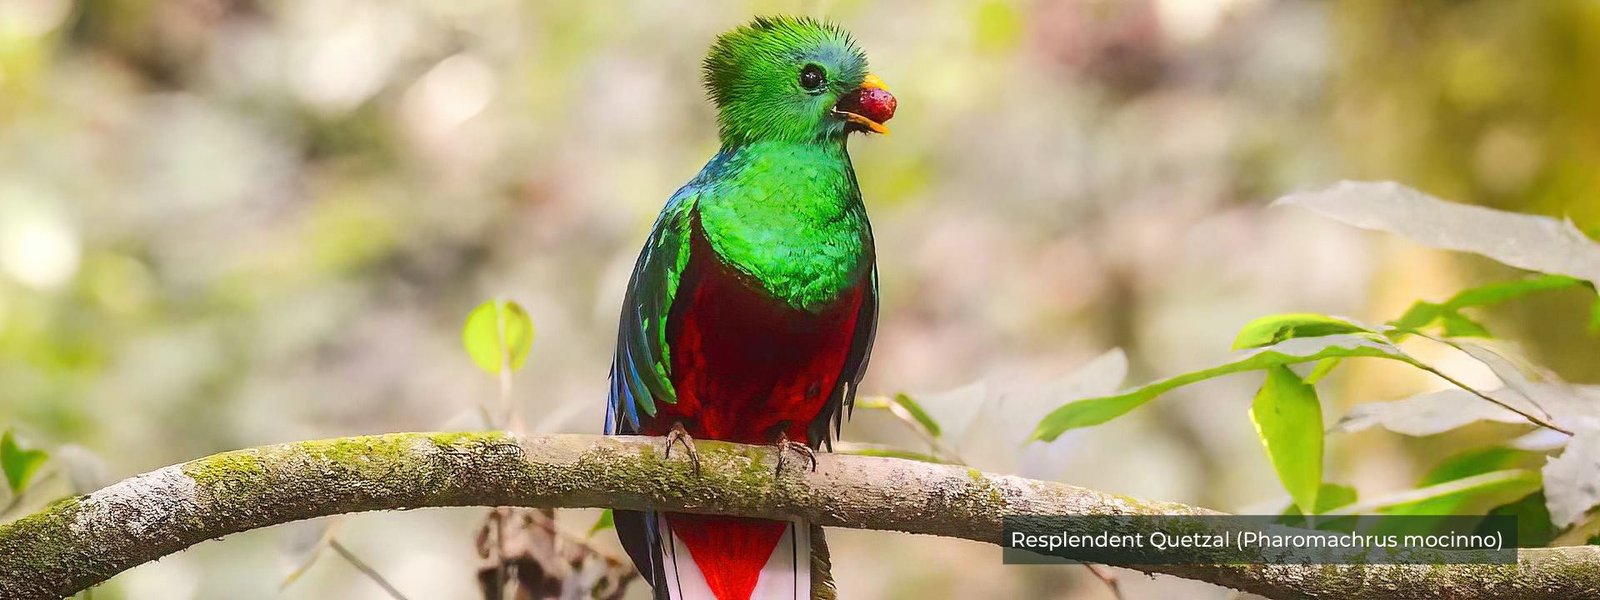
{"x":753,"y":75}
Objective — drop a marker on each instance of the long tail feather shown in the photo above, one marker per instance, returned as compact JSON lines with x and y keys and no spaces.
{"x":785,"y":574}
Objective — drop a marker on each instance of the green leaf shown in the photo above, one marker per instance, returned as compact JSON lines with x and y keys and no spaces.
{"x":921,"y":416}
{"x":1465,"y":496}
{"x":1329,"y":496}
{"x":606,"y":521}
{"x":1501,"y":291}
{"x":1333,"y":495}
{"x":1288,"y":418}
{"x":1094,"y":411}
{"x":1418,"y":316}
{"x":1458,"y":325}
{"x":1448,"y":313}
{"x":1478,"y":462}
{"x":1458,"y":496}
{"x":1594,"y":317}
{"x":19,"y":464}
{"x":1272,"y":329}
{"x":1323,"y":368}
{"x":498,"y":333}
{"x":1534,"y":528}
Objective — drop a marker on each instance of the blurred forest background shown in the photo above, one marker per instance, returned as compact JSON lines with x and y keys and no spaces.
{"x":226,"y":223}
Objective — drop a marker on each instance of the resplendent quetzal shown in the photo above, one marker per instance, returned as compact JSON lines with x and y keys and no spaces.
{"x":753,"y":305}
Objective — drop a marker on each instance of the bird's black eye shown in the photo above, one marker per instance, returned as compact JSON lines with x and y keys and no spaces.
{"x":812,"y":79}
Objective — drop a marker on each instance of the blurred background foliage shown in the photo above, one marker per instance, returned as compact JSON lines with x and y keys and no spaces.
{"x":226,"y":223}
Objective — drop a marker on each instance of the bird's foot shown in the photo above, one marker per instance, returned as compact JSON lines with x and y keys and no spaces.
{"x":785,"y":445}
{"x":679,"y":435}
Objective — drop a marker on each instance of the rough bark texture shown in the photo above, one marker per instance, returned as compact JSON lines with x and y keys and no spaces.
{"x":78,"y":542}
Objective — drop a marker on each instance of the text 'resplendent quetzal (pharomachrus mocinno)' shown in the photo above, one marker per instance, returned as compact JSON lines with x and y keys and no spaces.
{"x":753,"y":305}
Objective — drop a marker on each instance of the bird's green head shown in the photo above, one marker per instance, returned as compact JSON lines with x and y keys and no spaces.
{"x":793,"y":79}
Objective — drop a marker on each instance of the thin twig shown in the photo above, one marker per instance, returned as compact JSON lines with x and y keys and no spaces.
{"x":510,"y":420}
{"x":16,"y":499}
{"x":365,"y":569}
{"x":1108,"y":577}
{"x":1471,"y":390}
{"x":939,"y":449}
{"x":1502,"y":404}
{"x":581,"y":543}
{"x":497,"y":522}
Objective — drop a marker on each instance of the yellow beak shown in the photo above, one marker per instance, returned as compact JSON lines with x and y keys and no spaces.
{"x":872,"y":82}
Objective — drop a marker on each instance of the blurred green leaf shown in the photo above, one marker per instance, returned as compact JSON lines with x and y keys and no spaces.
{"x":1288,"y":418}
{"x":1534,"y":529}
{"x":1458,"y":325}
{"x":1476,"y":462}
{"x":497,"y":333}
{"x":1330,"y":496}
{"x":1501,"y":291}
{"x":606,"y":521}
{"x":917,"y":413}
{"x":1323,"y":368}
{"x":1458,"y":496}
{"x":1272,"y":329}
{"x":1094,"y":411}
{"x":1594,"y":317}
{"x":1465,"y":496}
{"x":19,"y":464}
{"x":1418,"y":316}
{"x":1334,"y":495}
{"x":999,"y":26}
{"x":1448,"y":313}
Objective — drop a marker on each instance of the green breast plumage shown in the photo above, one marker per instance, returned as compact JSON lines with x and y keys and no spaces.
{"x":790,"y":216}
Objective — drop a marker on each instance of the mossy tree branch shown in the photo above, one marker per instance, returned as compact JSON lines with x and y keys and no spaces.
{"x":78,"y":542}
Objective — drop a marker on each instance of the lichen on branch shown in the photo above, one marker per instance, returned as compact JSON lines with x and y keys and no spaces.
{"x":78,"y":542}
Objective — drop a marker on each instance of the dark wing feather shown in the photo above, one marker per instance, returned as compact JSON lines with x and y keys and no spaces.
{"x":843,"y":399}
{"x":639,"y":368}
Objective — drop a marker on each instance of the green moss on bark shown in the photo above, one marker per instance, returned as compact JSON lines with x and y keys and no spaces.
{"x":227,"y":467}
{"x":47,"y":524}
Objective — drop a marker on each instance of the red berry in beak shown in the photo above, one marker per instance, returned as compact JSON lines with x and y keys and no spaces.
{"x":868,"y":106}
{"x":877,"y":104}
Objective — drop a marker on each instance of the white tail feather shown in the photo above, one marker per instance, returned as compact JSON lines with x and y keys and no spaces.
{"x":787,"y":575}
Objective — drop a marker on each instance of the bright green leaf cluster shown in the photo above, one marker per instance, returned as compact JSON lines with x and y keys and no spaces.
{"x":1286,"y":411}
{"x":1094,"y":411}
{"x":498,"y":333}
